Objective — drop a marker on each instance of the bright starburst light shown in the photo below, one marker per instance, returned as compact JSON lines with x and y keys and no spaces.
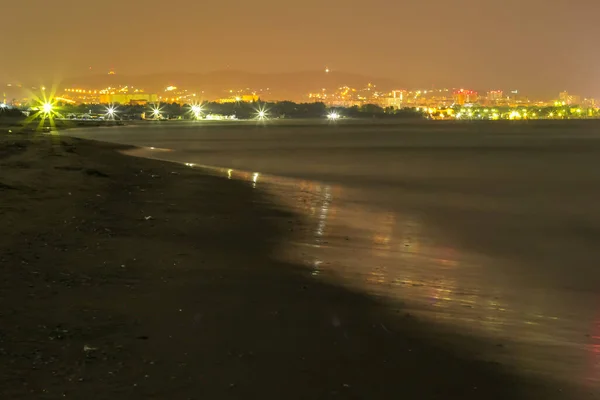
{"x":261,"y":113}
{"x":111,"y":112}
{"x":156,"y":112}
{"x":45,"y":109}
{"x":196,"y":111}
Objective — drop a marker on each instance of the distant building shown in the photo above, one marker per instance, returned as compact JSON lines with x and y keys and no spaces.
{"x":568,"y":99}
{"x":399,"y":94}
{"x":589,"y":103}
{"x":495,"y":96}
{"x":246,"y":98}
{"x":463,"y":96}
{"x":128,"y":98}
{"x":396,"y":100}
{"x":80,"y":96}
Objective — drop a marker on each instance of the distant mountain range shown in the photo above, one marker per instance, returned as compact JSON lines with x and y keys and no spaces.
{"x":276,"y":86}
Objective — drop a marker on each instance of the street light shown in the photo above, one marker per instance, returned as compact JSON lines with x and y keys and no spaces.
{"x":47,"y":108}
{"x":111,"y":112}
{"x":196,"y":111}
{"x":262,"y":113}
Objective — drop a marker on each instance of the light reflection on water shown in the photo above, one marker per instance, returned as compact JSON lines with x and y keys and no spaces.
{"x":398,"y":256}
{"x":395,"y":256}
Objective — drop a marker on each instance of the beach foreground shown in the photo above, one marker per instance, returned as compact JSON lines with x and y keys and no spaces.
{"x":128,"y":278}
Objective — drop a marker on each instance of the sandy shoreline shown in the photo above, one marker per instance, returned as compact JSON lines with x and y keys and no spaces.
{"x":132,"y":278}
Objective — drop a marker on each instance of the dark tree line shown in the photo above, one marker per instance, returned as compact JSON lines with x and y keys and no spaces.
{"x":243,"y":110}
{"x":10,"y":113}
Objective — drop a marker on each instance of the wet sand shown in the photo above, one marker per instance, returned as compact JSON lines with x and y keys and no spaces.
{"x":127,"y":278}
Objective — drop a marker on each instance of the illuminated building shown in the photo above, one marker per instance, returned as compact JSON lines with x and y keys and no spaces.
{"x":434,"y":98}
{"x":568,"y":99}
{"x":463,"y":96}
{"x":396,"y":99}
{"x":175,"y":95}
{"x":399,"y":94}
{"x":495,"y":96}
{"x":394,"y":102}
{"x":245,"y":98}
{"x":249,"y":98}
{"x":346,"y":96}
{"x":128,"y":98}
{"x":81,"y":96}
{"x":125,"y":95}
{"x":590,"y":103}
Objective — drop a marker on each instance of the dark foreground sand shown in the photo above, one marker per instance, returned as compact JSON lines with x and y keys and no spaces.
{"x":125,"y":278}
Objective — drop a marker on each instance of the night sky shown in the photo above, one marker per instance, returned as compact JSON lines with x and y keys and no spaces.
{"x":537,"y":46}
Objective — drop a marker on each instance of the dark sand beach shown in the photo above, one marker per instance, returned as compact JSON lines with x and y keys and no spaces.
{"x":128,"y":278}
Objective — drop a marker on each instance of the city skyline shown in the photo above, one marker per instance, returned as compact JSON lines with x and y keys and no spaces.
{"x":294,"y":87}
{"x":527,"y":44}
{"x":459,"y":103}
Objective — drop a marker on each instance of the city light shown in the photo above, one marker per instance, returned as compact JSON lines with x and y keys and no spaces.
{"x":514,"y":115}
{"x":45,"y":112}
{"x":47,"y":107}
{"x":111,"y":111}
{"x":196,"y":111}
{"x":261,"y":113}
{"x":460,"y":104}
{"x":156,"y":112}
